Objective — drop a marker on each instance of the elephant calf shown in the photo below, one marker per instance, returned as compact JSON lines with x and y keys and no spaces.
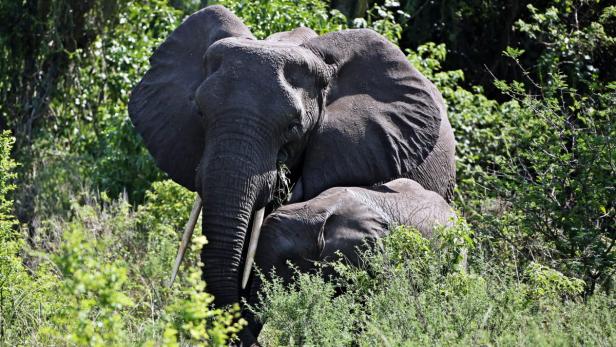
{"x":342,"y":219}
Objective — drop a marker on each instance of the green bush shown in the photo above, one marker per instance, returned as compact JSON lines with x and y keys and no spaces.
{"x":265,"y":17}
{"x":409,"y":292}
{"x":93,"y":291}
{"x":306,"y":313}
{"x":268,"y":17}
{"x":13,"y":278}
{"x":7,"y":175}
{"x":535,"y":173}
{"x":557,"y":180}
{"x":90,"y":141}
{"x":105,"y":282}
{"x":23,"y":295}
{"x":557,"y":176}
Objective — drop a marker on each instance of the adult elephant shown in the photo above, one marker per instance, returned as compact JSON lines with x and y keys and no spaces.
{"x":220,"y":110}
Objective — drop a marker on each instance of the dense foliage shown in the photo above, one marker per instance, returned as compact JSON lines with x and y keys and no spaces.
{"x":416,"y":292}
{"x":105,"y":281}
{"x":89,"y":226}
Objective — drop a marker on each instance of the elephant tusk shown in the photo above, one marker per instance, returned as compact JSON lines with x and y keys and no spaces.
{"x":252,"y":246}
{"x":186,"y":236}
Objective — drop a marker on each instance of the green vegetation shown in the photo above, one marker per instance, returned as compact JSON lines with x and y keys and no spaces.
{"x":105,"y":281}
{"x":414,"y":292}
{"x":89,"y":226}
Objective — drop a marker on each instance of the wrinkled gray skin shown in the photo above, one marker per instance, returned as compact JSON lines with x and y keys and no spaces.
{"x":218,"y":110}
{"x":345,"y":220}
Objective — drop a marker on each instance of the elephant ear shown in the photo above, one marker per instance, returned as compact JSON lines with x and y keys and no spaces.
{"x":381,"y":116}
{"x":162,"y":106}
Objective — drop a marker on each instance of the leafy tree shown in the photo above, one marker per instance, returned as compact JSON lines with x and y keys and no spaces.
{"x":559,"y":169}
{"x":267,"y":17}
{"x":558,"y":180}
{"x":476,"y":32}
{"x":534,"y":173}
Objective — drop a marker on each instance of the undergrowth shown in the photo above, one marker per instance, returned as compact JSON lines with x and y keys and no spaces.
{"x":102,"y":277}
{"x":414,"y":291}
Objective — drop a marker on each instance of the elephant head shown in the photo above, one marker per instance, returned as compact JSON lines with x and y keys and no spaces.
{"x":219,"y":110}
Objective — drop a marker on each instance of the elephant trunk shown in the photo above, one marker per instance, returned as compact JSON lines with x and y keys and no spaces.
{"x":233,"y":186}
